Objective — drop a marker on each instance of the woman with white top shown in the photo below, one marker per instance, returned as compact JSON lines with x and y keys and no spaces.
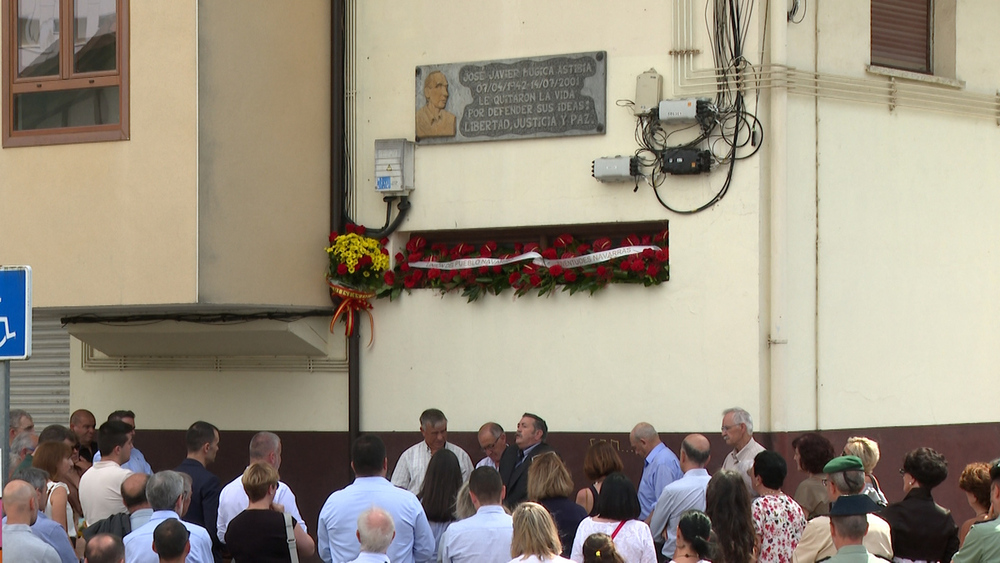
{"x":55,"y":458}
{"x":617,"y":516}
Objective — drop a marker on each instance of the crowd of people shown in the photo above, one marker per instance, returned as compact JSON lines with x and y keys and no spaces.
{"x":85,"y":492}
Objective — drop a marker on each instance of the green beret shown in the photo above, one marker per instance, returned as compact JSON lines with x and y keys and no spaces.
{"x":844,"y":463}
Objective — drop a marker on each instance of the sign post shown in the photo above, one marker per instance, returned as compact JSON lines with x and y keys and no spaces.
{"x":15,"y":339}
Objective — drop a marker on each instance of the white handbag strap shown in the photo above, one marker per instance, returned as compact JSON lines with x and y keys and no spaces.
{"x":290,"y":537}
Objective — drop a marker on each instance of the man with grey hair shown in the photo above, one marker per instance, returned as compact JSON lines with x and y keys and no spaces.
{"x":737,"y":431}
{"x":165,"y":493}
{"x":493,"y":442}
{"x":376,"y":531}
{"x":412,"y":464}
{"x":848,"y":526}
{"x":43,"y":527}
{"x":660,"y":466}
{"x":265,"y":447}
{"x":20,"y":421}
{"x":845,"y":476}
{"x":22,"y":450}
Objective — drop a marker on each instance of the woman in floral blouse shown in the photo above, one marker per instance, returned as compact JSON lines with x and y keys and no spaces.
{"x":778,"y":519}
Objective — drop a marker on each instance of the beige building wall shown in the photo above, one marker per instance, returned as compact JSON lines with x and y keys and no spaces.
{"x":264,"y":151}
{"x":106,"y":224}
{"x":675,"y":355}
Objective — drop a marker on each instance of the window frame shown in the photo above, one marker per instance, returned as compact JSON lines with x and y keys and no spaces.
{"x":66,"y":80}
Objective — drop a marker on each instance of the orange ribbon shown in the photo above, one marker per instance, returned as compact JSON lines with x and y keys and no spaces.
{"x":352,"y":300}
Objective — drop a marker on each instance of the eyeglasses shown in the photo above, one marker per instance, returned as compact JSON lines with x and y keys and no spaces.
{"x":825,"y":481}
{"x":490,"y":447}
{"x":902,"y":471}
{"x":726,"y":428}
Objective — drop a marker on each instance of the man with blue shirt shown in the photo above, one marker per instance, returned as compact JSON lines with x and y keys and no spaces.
{"x":136,"y":462}
{"x":682,"y":495}
{"x":660,"y":466}
{"x":19,"y":542}
{"x":337,"y":526}
{"x":484,"y":537}
{"x":165,"y":492}
{"x":44,"y":528}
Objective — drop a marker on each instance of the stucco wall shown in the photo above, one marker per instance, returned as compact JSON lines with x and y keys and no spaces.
{"x":264,"y":152}
{"x":116,"y":223}
{"x":584,"y":363}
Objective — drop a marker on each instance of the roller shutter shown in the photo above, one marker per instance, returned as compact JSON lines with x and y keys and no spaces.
{"x":901,"y":34}
{"x":40,"y":385}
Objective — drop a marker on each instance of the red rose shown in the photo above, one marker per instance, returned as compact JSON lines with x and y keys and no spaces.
{"x":465,"y":272}
{"x":568,"y":255}
{"x":648,"y":253}
{"x":333,"y":236}
{"x":652,"y":271}
{"x":549,"y":253}
{"x":535,"y":280}
{"x":626,"y":265}
{"x":399,"y":257}
{"x":349,"y":227}
{"x":433,"y":274}
{"x":409,"y":282}
{"x":384,"y":251}
{"x":661,"y":255}
{"x":514,"y":278}
{"x":360,"y":229}
{"x":556,"y":270}
{"x":418,"y":275}
{"x":602,"y":244}
{"x":602,"y":271}
{"x":404,"y":267}
{"x":497,"y":269}
{"x":563,"y":240}
{"x":389,"y":278}
{"x":341,"y":269}
{"x":483,"y":270}
{"x":365,"y":261}
{"x":570,"y":276}
{"x":383,"y":241}
{"x":638,"y":265}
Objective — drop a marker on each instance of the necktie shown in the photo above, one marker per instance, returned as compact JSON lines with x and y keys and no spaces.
{"x":520,"y":457}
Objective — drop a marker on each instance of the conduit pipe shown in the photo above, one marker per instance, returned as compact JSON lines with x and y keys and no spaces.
{"x":778,"y":189}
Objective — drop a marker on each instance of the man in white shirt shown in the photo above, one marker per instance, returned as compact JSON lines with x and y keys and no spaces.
{"x":165,"y":492}
{"x":493,"y":441}
{"x":737,"y":431}
{"x":375,"y":532}
{"x":100,"y":486}
{"x":484,"y":537}
{"x":265,"y":447}
{"x":412,"y":465}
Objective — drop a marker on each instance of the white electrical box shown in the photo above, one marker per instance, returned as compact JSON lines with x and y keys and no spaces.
{"x":679,"y":111}
{"x":647,"y":92}
{"x":393,"y":166}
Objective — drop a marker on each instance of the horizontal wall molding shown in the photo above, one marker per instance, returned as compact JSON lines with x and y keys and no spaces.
{"x":94,"y":360}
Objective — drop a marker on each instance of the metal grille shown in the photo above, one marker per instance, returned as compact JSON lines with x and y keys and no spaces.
{"x":40,"y":385}
{"x":901,"y":34}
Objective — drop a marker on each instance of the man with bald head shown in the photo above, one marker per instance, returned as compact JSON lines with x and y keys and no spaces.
{"x":19,"y":543}
{"x":660,"y":466}
{"x":265,"y":447}
{"x":686,"y":493}
{"x":104,"y":548}
{"x":84,"y":425}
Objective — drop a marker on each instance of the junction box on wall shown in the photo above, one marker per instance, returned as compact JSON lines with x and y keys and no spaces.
{"x":393,"y":166}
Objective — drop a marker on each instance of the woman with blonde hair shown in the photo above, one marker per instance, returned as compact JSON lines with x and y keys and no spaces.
{"x":602,"y":460}
{"x":867,"y":450}
{"x":535,"y":539}
{"x":259,"y":532}
{"x":550,"y":484}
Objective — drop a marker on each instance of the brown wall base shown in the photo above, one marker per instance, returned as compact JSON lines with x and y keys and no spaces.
{"x":314,"y":464}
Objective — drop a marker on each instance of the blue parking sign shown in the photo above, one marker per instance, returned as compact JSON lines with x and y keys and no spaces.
{"x":15,"y":313}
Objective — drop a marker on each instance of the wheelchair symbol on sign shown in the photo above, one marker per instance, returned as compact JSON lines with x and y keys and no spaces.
{"x":7,"y":334}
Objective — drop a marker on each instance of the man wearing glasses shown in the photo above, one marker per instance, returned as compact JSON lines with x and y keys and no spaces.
{"x":493,"y":441}
{"x":737,"y":431}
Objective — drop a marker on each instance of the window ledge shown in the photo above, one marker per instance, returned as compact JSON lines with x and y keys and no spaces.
{"x":909,"y":75}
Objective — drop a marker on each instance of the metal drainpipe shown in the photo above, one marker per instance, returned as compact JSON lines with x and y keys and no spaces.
{"x":338,"y":215}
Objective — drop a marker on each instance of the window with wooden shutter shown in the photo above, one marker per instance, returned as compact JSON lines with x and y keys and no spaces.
{"x":901,"y":34}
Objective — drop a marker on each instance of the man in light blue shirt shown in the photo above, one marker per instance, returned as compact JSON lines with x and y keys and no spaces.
{"x":682,"y":495}
{"x":165,"y":493}
{"x":660,"y":466}
{"x":136,"y":462}
{"x":484,"y":537}
{"x":337,"y":527}
{"x":46,"y":529}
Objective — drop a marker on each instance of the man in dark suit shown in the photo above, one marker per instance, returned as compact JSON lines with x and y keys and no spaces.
{"x":203,"y":446}
{"x":514,"y":464}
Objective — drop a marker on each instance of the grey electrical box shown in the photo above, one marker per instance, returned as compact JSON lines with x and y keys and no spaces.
{"x":393,"y":166}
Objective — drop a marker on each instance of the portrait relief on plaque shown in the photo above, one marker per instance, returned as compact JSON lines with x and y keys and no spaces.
{"x":433,"y":120}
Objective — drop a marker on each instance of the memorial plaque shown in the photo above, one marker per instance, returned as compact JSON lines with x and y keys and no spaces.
{"x":552,"y":96}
